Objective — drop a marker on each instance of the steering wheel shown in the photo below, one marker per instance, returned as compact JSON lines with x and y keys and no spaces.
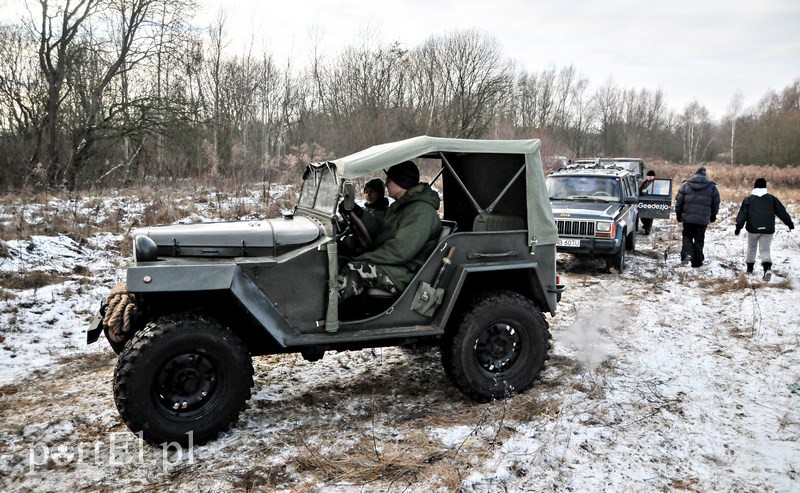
{"x":355,"y":224}
{"x":601,"y":194}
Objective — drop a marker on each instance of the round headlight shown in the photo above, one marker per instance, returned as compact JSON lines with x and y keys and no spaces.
{"x":144,"y":249}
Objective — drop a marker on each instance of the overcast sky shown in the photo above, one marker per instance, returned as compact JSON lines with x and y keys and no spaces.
{"x":704,"y":50}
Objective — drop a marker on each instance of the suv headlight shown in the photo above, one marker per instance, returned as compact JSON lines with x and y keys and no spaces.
{"x":605,"y":229}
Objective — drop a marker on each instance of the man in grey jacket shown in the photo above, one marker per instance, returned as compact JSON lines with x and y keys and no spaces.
{"x":696,"y":206}
{"x":757,"y":215}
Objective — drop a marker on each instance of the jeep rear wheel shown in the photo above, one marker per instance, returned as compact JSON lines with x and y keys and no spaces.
{"x":498,"y":347}
{"x":182,"y":380}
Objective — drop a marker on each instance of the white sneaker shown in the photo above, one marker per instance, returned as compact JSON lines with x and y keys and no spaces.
{"x":768,"y":275}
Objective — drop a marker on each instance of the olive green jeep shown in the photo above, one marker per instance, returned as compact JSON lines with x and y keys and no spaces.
{"x":201,"y":300}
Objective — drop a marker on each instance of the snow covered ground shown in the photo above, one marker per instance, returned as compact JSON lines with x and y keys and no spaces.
{"x":664,"y":378}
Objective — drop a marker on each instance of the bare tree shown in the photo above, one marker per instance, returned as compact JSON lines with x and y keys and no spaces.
{"x":87,"y":52}
{"x":694,"y":126}
{"x":472,"y":80}
{"x":57,"y":30}
{"x":734,"y":108}
{"x":608,"y":104}
{"x":580,"y":120}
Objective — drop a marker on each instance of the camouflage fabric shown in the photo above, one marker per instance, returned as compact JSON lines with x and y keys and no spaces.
{"x":355,"y":277}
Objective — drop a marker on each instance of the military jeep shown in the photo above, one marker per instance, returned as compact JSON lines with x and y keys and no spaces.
{"x":200,"y":300}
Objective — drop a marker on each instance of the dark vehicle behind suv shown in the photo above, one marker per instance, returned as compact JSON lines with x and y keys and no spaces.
{"x":595,"y":212}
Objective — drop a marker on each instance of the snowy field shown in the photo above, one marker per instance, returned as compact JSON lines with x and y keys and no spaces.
{"x":664,"y":378}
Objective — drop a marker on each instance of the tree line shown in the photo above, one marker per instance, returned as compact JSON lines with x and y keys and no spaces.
{"x":110,"y":92}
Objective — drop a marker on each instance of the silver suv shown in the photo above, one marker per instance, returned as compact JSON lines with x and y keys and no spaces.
{"x":595,"y":210}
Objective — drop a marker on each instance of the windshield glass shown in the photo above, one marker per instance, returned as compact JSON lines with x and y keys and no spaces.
{"x":320,"y":189}
{"x":600,"y":188}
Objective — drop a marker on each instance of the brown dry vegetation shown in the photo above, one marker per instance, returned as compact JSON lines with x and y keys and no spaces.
{"x":30,"y":280}
{"x":735,"y":181}
{"x":169,"y":202}
{"x":77,"y":217}
{"x":742,"y":282}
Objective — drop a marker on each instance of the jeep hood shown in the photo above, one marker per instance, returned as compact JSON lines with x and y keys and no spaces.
{"x":229,"y":239}
{"x":568,"y":208}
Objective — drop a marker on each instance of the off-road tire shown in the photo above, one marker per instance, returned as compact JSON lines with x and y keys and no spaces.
{"x":497,"y":347}
{"x":617,"y":260}
{"x":182,"y":379}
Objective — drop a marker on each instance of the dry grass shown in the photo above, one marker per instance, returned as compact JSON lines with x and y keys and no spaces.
{"x":30,"y":280}
{"x":735,"y":181}
{"x":366,"y":461}
{"x":171,"y":200}
{"x":742,"y":282}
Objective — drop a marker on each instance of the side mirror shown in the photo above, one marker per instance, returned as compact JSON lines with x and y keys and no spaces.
{"x":348,"y":196}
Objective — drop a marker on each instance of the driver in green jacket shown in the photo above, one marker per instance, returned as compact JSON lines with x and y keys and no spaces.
{"x":401,"y":240}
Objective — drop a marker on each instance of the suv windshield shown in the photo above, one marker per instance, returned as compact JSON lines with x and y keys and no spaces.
{"x":600,"y":188}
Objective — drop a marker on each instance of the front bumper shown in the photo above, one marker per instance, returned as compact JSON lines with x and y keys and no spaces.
{"x":95,"y":329}
{"x":593,"y":246}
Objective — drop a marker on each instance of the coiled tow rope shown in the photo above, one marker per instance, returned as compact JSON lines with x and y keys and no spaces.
{"x":119,"y":307}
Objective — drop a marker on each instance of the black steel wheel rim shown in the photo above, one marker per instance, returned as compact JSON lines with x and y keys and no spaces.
{"x":185,"y":385}
{"x":498,"y":348}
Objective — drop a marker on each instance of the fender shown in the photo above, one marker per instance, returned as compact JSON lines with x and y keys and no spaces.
{"x":463,"y":271}
{"x":222,"y":275}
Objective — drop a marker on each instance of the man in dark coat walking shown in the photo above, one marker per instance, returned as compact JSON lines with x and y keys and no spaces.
{"x":696,"y":206}
{"x":757,"y":215}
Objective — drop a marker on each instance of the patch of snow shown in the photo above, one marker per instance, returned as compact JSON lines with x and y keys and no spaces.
{"x":662,"y":378}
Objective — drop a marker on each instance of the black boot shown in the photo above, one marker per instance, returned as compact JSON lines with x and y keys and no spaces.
{"x":750,"y":267}
{"x":767,"y":272}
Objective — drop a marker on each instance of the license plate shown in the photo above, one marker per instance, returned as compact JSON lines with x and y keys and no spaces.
{"x":564,"y":242}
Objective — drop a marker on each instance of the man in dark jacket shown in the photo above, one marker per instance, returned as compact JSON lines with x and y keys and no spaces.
{"x":757,"y":215}
{"x":375,"y":192}
{"x":646,"y":188}
{"x":401,"y":240}
{"x":696,"y":206}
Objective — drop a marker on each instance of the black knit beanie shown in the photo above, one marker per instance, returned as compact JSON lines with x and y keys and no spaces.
{"x":700,"y":171}
{"x":375,"y":184}
{"x":760,"y":183}
{"x":405,"y":174}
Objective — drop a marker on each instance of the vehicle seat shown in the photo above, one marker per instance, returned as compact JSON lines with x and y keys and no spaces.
{"x":448,"y":227}
{"x":498,"y":222}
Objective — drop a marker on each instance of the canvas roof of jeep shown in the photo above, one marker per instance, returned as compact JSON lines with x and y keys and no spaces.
{"x":541,"y":224}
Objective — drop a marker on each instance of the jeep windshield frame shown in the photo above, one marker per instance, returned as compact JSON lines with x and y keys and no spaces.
{"x":319,"y":191}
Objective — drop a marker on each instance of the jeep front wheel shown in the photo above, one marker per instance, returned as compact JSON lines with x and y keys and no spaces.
{"x":617,"y":260}
{"x":498,"y":347}
{"x":182,"y":380}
